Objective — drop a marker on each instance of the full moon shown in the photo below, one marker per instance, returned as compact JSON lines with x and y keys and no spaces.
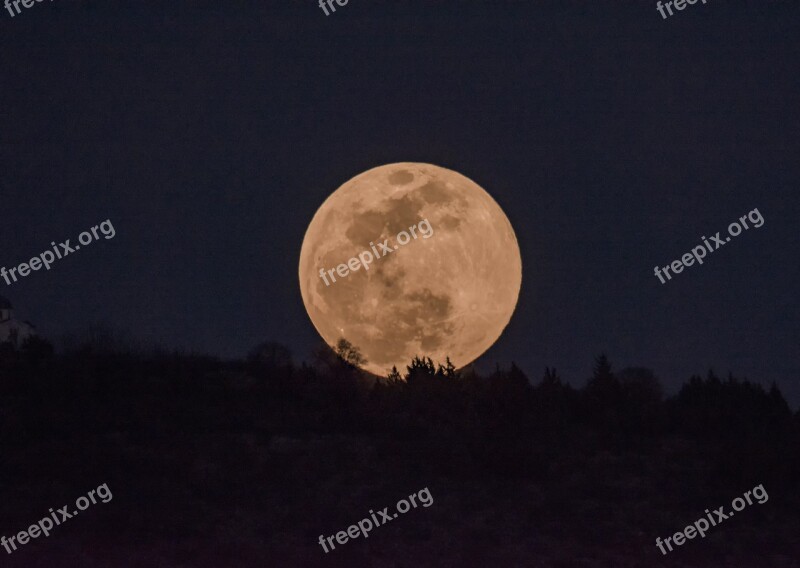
{"x":410,"y":259}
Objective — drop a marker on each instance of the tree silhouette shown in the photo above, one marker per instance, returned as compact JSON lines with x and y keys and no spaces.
{"x":421,"y":370}
{"x":517,"y":378}
{"x":551,"y":379}
{"x":602,"y":371}
{"x":448,"y":371}
{"x":350,"y":354}
{"x":394,"y":376}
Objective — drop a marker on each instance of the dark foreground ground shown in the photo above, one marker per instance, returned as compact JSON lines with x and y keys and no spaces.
{"x":246,"y":464}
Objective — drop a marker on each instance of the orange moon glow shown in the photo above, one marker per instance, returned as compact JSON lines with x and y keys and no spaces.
{"x":448,"y":290}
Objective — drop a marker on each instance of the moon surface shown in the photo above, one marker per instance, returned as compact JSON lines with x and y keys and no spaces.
{"x":449,"y":290}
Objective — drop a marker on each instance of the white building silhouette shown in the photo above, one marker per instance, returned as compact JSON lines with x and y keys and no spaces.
{"x":13,"y":330}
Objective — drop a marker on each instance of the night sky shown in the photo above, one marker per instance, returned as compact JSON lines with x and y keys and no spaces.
{"x":210,"y":132}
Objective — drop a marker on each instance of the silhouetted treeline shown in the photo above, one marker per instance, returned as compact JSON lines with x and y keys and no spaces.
{"x":496,"y":416}
{"x":618,"y":440}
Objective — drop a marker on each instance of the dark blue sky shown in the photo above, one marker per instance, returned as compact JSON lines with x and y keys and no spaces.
{"x":210,"y":133}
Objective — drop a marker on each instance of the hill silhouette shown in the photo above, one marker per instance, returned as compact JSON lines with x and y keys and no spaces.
{"x":220,"y":463}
